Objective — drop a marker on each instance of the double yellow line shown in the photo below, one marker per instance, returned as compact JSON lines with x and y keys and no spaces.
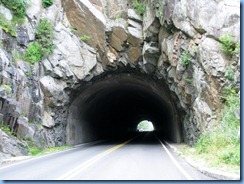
{"x":69,"y":175}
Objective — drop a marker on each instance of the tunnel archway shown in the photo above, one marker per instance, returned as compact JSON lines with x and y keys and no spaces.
{"x":111,"y":106}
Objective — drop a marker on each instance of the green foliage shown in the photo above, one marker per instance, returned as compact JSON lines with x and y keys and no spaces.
{"x":6,"y":87}
{"x":229,"y":74}
{"x":47,"y":3}
{"x":229,"y":46}
{"x":17,"y":7}
{"x":43,"y":45}
{"x":139,"y":6}
{"x":34,"y":150}
{"x":33,"y":53}
{"x":7,"y":26}
{"x":185,"y":58}
{"x":45,"y":35}
{"x":85,"y":38}
{"x":222,"y":143}
{"x":188,"y":80}
{"x":5,"y":128}
{"x":145,"y":126}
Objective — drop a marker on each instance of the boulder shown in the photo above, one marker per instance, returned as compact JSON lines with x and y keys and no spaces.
{"x":6,"y":13}
{"x":48,"y":120}
{"x":150,"y":53}
{"x":86,"y":19}
{"x":134,"y":53}
{"x":211,"y":58}
{"x":134,"y":36}
{"x":53,"y":90}
{"x":134,"y":16}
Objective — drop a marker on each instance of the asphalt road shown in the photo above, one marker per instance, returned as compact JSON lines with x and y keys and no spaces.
{"x":144,"y":157}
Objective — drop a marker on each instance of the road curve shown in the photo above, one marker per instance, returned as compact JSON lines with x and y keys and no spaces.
{"x":143,"y":157}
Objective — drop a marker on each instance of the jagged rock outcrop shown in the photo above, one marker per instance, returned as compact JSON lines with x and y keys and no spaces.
{"x":34,"y":99}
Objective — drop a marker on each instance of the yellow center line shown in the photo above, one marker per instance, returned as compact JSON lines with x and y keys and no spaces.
{"x":89,"y":162}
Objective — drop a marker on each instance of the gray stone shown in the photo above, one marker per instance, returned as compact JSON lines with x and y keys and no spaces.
{"x":22,"y":36}
{"x":211,"y":58}
{"x":47,"y":66}
{"x":83,"y":16}
{"x":134,"y":53}
{"x":134,"y":36}
{"x":6,"y":13}
{"x":34,"y":9}
{"x":48,"y":120}
{"x":133,"y":16}
{"x":135,"y":24}
{"x":23,"y":128}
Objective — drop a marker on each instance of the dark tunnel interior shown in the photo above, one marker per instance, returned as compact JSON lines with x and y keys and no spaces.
{"x":112,"y":107}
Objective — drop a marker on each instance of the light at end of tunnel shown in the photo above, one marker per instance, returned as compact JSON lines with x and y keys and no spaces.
{"x":145,"y":126}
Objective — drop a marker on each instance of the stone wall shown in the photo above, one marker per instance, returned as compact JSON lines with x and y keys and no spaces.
{"x":34,"y":100}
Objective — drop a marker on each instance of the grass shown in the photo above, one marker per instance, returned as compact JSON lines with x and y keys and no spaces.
{"x":33,"y":53}
{"x":17,"y":7}
{"x":185,"y":58}
{"x":33,"y":151}
{"x":229,"y":74}
{"x":221,"y":144}
{"x":139,"y":6}
{"x":229,"y":46}
{"x":43,"y":45}
{"x":47,"y":3}
{"x":85,"y":38}
{"x":7,"y":26}
{"x":188,"y":80}
{"x":7,"y":88}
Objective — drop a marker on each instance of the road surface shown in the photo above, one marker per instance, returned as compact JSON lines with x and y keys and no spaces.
{"x":143,"y":157}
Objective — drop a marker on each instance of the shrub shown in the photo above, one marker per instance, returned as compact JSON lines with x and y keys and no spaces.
{"x":85,"y":38}
{"x":229,"y":46}
{"x":185,"y":58}
{"x":229,"y":74}
{"x":17,"y":7}
{"x":139,"y":6}
{"x":43,"y":45}
{"x":7,"y":26}
{"x":47,"y":3}
{"x":33,"y":53}
{"x":45,"y":35}
{"x":6,"y":87}
{"x":223,"y":141}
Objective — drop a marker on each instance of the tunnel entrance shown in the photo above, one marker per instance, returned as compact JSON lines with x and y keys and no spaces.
{"x":145,"y":126}
{"x":111,"y":106}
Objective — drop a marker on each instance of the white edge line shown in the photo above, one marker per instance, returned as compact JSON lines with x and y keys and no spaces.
{"x":49,"y":154}
{"x":175,"y":162}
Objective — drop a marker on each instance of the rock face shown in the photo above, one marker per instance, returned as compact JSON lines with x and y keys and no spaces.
{"x":34,"y":99}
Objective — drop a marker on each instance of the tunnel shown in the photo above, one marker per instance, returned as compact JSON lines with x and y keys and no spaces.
{"x":111,"y":106}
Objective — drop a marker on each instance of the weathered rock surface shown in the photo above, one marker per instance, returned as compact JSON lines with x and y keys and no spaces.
{"x":34,"y":99}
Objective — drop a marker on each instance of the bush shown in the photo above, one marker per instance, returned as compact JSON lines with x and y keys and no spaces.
{"x":229,"y":74}
{"x":43,"y":45}
{"x":222,"y":142}
{"x":47,"y":3}
{"x":45,"y":35}
{"x":139,"y":6}
{"x":229,"y":46}
{"x":17,"y":7}
{"x":33,"y":53}
{"x":85,"y":38}
{"x":185,"y":58}
{"x":7,"y":26}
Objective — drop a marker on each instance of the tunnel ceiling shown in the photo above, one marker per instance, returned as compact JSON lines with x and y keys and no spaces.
{"x":113,"y":106}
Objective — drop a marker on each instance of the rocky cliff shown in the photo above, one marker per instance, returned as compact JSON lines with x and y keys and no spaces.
{"x":174,"y":41}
